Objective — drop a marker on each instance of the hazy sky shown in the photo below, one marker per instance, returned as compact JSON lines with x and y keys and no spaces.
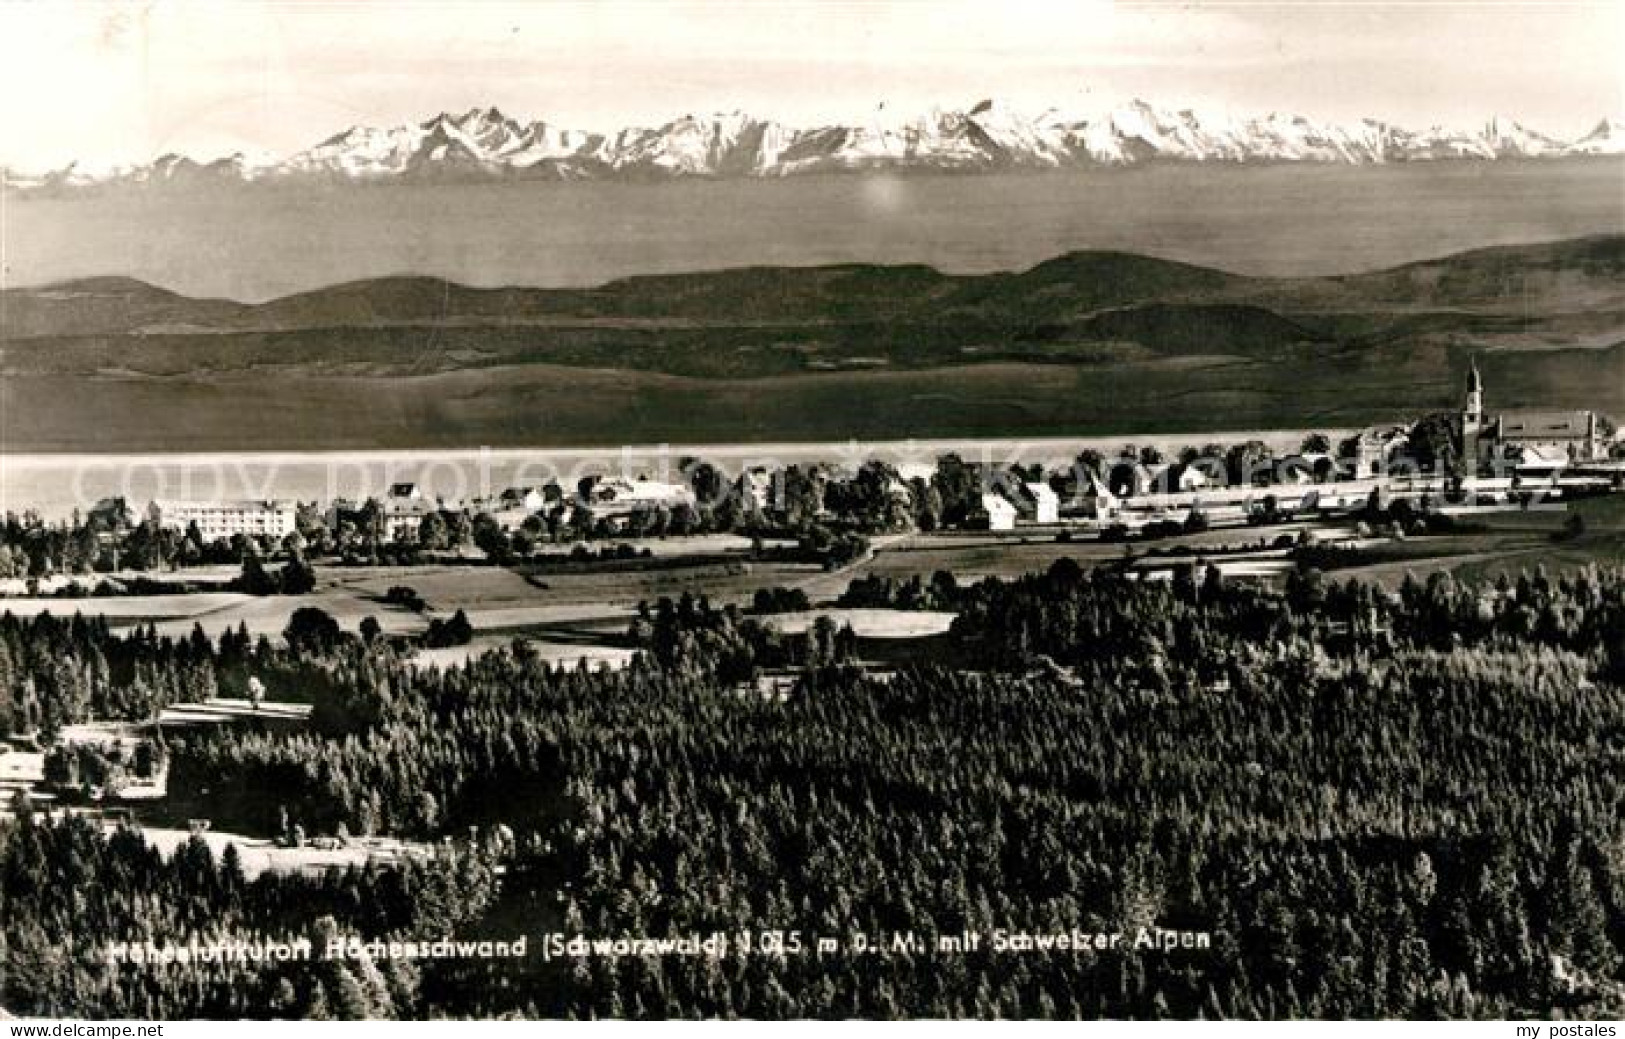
{"x":125,"y":81}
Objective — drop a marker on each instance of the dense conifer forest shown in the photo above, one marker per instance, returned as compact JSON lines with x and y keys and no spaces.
{"x":1375,"y":804}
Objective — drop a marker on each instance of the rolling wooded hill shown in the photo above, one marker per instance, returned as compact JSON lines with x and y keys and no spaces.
{"x":1085,"y":342}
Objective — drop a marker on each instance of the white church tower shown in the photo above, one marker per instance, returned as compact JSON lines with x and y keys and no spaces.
{"x":1472,"y":416}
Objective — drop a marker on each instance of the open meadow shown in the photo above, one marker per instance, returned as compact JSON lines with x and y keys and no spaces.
{"x":570,"y":612}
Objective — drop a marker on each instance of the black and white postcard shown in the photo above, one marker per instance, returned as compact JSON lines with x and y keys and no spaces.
{"x":687,"y":509}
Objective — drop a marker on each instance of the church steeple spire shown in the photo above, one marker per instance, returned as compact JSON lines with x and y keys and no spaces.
{"x":1472,"y":416}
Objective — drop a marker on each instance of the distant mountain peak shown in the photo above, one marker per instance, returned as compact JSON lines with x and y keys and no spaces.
{"x":990,"y":134}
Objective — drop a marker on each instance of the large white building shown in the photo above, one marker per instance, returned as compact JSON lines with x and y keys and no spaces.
{"x":997,"y":512}
{"x":758,"y":489}
{"x":404,"y":509}
{"x":226,"y":519}
{"x":609,"y":499}
{"x":1044,"y":503}
{"x":530,"y":499}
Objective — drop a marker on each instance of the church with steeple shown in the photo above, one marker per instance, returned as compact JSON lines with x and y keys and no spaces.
{"x":1533,"y":439}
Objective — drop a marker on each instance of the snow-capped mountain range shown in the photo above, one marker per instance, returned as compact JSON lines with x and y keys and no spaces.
{"x":483,"y":143}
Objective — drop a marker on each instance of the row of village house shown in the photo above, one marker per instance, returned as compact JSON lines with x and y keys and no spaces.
{"x":1140,"y":492}
{"x":1546,"y":444}
{"x":405,"y":506}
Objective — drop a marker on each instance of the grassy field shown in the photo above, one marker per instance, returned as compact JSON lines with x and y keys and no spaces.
{"x":1602,"y":543}
{"x":567,"y":654}
{"x":259,"y":855}
{"x":566,"y":616}
{"x":570,"y":615}
{"x":130,"y":609}
{"x":972,"y":556}
{"x":1496,"y":543}
{"x":970,"y":559}
{"x":1506,"y":544}
{"x":867,"y":623}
